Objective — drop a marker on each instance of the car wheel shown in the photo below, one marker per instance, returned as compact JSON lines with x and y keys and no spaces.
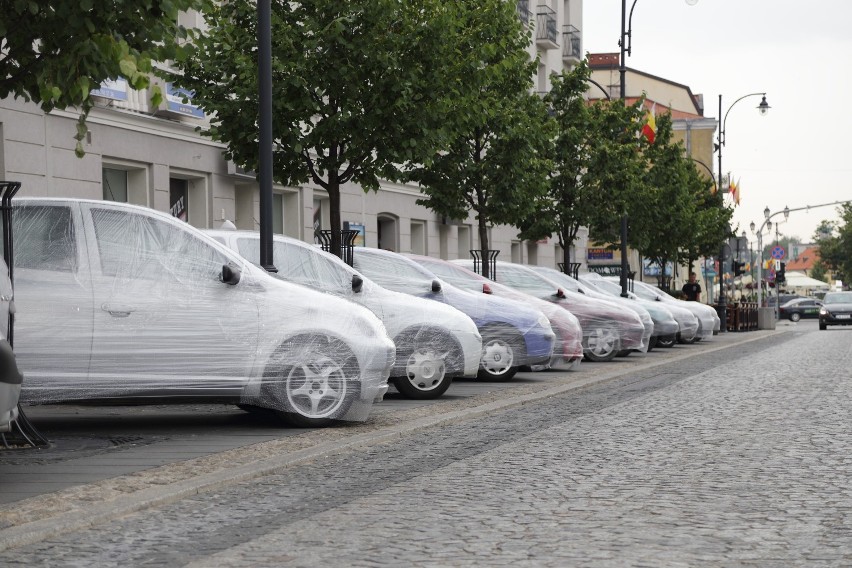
{"x":624,"y":353}
{"x":795,"y":316}
{"x":311,"y":381}
{"x":823,"y":326}
{"x":502,"y":348}
{"x":667,"y":341}
{"x":420,"y":372}
{"x":601,"y":345}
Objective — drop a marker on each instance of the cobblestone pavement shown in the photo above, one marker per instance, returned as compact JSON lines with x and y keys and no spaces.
{"x":733,"y":458}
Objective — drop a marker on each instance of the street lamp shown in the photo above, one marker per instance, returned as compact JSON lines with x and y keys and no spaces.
{"x":763,"y":107}
{"x":625,"y":43}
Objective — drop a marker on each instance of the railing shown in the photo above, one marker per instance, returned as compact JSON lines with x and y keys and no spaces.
{"x":546,"y":29}
{"x":347,"y":243}
{"x":572,"y":270}
{"x":572,"y":44}
{"x":742,"y":316}
{"x":491,"y":259}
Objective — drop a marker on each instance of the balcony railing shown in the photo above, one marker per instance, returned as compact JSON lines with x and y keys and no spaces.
{"x":546,"y":30}
{"x":572,"y":43}
{"x":524,"y":12}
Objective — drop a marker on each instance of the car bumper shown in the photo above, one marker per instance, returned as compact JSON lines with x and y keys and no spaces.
{"x":471,"y":346}
{"x":664,"y":328}
{"x":633,"y":337}
{"x":539,"y":347}
{"x":834,"y":320}
{"x":10,"y":386}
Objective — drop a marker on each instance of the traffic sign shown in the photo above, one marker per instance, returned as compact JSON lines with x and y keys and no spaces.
{"x":778,"y":253}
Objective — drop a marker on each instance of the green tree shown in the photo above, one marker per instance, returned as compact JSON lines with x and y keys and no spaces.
{"x":55,"y":53}
{"x":498,"y":159}
{"x":835,"y":244}
{"x":597,"y":165}
{"x":359,"y":87}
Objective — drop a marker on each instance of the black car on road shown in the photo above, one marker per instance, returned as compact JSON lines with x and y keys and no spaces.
{"x":794,"y":310}
{"x":836,"y":309}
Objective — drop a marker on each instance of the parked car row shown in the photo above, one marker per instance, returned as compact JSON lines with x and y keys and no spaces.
{"x":120,"y":302}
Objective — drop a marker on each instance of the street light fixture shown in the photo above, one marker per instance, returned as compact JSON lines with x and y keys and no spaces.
{"x":763,"y":108}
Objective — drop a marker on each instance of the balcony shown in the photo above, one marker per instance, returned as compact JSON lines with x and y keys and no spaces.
{"x":572,"y":45}
{"x":546,"y":30}
{"x":524,"y":12}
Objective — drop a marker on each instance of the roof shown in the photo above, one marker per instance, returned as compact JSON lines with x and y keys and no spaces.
{"x":805,"y":261}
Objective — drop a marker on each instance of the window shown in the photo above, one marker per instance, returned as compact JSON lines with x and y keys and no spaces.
{"x":114,"y":185}
{"x":418,"y":237}
{"x":44,"y":238}
{"x":179,"y":198}
{"x":277,"y":214}
{"x":465,"y":243}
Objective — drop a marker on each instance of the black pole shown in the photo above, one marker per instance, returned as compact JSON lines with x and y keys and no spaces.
{"x":264,"y":62}
{"x":721,"y":304}
{"x":622,"y":69}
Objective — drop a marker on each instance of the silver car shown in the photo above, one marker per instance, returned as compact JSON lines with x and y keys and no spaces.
{"x":435,"y":342}
{"x":116,"y":301}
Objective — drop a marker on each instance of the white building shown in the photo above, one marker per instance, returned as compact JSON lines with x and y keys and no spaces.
{"x":154,"y":157}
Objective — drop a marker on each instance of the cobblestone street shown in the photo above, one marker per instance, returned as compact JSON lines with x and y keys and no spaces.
{"x":731,"y":458}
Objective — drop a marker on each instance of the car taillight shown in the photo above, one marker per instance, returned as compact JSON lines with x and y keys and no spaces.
{"x":486,"y":289}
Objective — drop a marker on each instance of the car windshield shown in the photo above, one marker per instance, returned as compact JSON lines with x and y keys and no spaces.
{"x":838,"y":298}
{"x":525,"y":279}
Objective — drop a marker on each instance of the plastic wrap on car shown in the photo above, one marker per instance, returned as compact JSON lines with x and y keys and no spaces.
{"x":597,"y":317}
{"x":500,"y":321}
{"x":432,"y":339}
{"x":568,"y":348}
{"x":116,"y":301}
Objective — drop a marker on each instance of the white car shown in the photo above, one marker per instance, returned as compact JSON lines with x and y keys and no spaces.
{"x":10,"y":375}
{"x":116,"y":301}
{"x":708,"y":319}
{"x":434,"y":342}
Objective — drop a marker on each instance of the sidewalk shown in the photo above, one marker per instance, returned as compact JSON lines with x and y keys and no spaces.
{"x":94,"y":487}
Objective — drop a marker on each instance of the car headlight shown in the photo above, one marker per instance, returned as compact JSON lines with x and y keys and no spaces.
{"x":543,"y":321}
{"x":823,"y":311}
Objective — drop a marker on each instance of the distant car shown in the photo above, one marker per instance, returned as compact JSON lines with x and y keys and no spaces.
{"x":568,"y":348}
{"x":772,"y":300}
{"x":434,"y":342}
{"x":513,"y":335}
{"x":116,"y":301}
{"x":794,"y":310}
{"x":708,"y":319}
{"x":607,"y":329}
{"x":836,"y":309}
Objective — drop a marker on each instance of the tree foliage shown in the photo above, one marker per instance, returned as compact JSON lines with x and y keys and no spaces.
{"x":497,"y":161}
{"x":597,"y":165}
{"x":56,"y":53}
{"x":359,"y":87}
{"x":835,"y":244}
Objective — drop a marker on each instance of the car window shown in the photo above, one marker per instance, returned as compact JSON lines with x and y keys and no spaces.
{"x":838,"y":298}
{"x":44,"y":238}
{"x":523,"y":280}
{"x":395,"y":272}
{"x":132,"y":245}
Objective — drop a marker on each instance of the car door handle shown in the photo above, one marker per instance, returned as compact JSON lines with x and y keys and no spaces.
{"x":117,"y":310}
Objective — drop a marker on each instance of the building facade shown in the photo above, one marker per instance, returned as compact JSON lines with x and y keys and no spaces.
{"x":153,"y":156}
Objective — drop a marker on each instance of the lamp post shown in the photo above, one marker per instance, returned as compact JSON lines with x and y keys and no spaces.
{"x":763,"y":107}
{"x":625,"y":43}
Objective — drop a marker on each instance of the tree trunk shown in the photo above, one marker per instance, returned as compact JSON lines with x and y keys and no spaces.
{"x":334,"y":214}
{"x":483,"y":246}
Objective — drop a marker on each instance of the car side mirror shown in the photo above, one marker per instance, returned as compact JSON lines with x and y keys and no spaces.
{"x":357,"y":283}
{"x":436,"y":286}
{"x":230,"y":274}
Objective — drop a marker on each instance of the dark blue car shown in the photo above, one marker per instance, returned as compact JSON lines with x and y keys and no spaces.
{"x":513,"y":335}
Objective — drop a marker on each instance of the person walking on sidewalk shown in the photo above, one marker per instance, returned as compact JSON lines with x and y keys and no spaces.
{"x":692,"y":289}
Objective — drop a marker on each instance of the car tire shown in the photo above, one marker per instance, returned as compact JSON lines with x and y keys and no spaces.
{"x":667,"y":341}
{"x":823,"y":326}
{"x":420,"y":371}
{"x":502,"y":348}
{"x":624,"y":353}
{"x":795,"y":316}
{"x":311,"y":381}
{"x":652,"y":342}
{"x":601,"y":345}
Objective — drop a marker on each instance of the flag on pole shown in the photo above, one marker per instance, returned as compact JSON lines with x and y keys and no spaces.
{"x":735,"y":191}
{"x":649,"y":129}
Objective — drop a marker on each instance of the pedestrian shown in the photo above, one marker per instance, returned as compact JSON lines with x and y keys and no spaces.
{"x":692,"y":289}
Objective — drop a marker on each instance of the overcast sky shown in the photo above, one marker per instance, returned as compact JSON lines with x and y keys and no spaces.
{"x":797,"y":52}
